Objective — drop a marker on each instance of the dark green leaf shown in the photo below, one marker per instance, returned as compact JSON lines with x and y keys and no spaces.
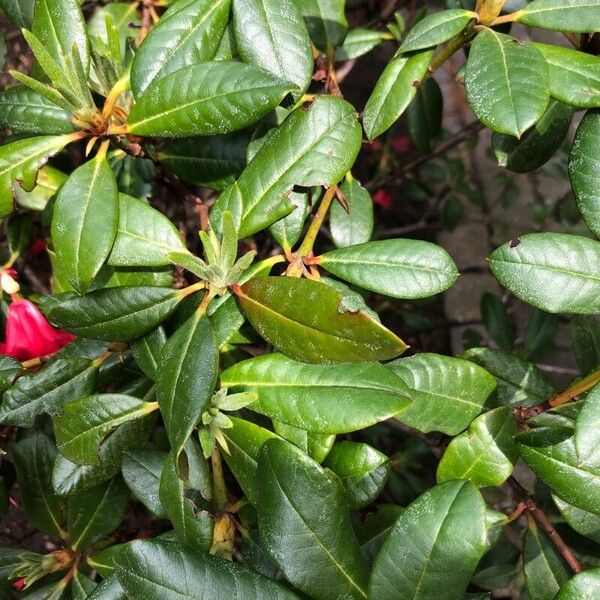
{"x":496,"y":320}
{"x":287,"y":231}
{"x":278,"y":307}
{"x":9,"y":369}
{"x":141,"y":471}
{"x":584,"y":586}
{"x":355,"y":225}
{"x":585,"y":331}
{"x":81,"y":587}
{"x":582,"y":521}
{"x":562,"y":15}
{"x":20,"y":12}
{"x":188,"y":33}
{"x":424,"y":115}
{"x":146,"y":351}
{"x":316,"y":445}
{"x":109,"y":589}
{"x":319,"y":398}
{"x":587,"y":425}
{"x":316,"y":549}
{"x":326,"y":21}
{"x":373,"y":531}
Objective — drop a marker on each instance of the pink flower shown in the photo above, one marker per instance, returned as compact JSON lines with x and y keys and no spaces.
{"x":383,"y":198}
{"x":28,"y":333}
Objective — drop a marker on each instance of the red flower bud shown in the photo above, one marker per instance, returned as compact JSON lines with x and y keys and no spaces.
{"x":19,"y":584}
{"x":400,"y":144}
{"x":383,"y":198}
{"x":38,"y":247}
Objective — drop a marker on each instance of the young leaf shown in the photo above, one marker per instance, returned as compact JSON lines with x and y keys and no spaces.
{"x":485,"y":454}
{"x":397,"y":268}
{"x":314,"y":146}
{"x":316,"y":549}
{"x":506,"y":82}
{"x":142,"y":470}
{"x":85,"y":221}
{"x":550,"y":271}
{"x":272,"y":35}
{"x":326,"y":21}
{"x":113,"y":314}
{"x":436,"y":381}
{"x":394,"y":91}
{"x":206,"y":99}
{"x":188,"y":365}
{"x":188,"y":33}
{"x":436,"y":28}
{"x":583,"y":171}
{"x":144,"y":236}
{"x":319,"y":398}
{"x":561,"y":15}
{"x":441,"y":536}
{"x":358,"y":42}
{"x":303,"y":319}
{"x":355,"y":225}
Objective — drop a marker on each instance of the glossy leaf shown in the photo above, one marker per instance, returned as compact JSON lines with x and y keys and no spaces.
{"x":587,"y":442}
{"x":9,"y":369}
{"x":188,"y":33}
{"x":206,"y":99}
{"x":506,"y":82}
{"x":108,"y":589}
{"x":84,"y":423}
{"x":354,"y":225}
{"x":316,"y":445}
{"x":313,"y":146}
{"x":441,"y":536}
{"x":424,"y":115}
{"x":287,"y":231}
{"x":561,"y":15}
{"x":436,"y":28}
{"x":96,"y":512}
{"x":48,"y":390}
{"x":373,"y":531}
{"x":85,"y":222}
{"x":585,"y":331}
{"x":574,"y":76}
{"x":326,"y":21}
{"x":23,"y":110}
{"x":583,"y":171}
{"x":146,"y":351}
{"x":551,"y":454}
{"x":584,"y":586}
{"x":278,"y":309}
{"x":397,"y":268}
{"x":319,"y":398}
{"x":188,"y":365}
{"x":144,"y":236}
{"x":358,"y":42}
{"x":394,"y":91}
{"x":538,"y":144}
{"x":20,"y":162}
{"x":362,"y":470}
{"x":271,"y":34}
{"x":115,"y":314}
{"x":324,"y":558}
{"x":146,"y":568}
{"x":551,"y":271}
{"x":447,"y":393}
{"x":141,"y":471}
{"x":485,"y":454}
{"x":582,"y":521}
{"x":34,"y":458}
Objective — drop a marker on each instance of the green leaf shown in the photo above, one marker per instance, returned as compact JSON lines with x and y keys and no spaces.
{"x":85,"y":221}
{"x":447,"y":393}
{"x":188,"y":33}
{"x":146,"y":351}
{"x":574,"y":76}
{"x":287,"y":231}
{"x":316,"y":549}
{"x":562,"y":15}
{"x":271,"y":34}
{"x":316,"y":445}
{"x":314,"y":146}
{"x":69,"y":478}
{"x":303,"y":319}
{"x":582,"y":521}
{"x":144,"y":236}
{"x":545,"y":571}
{"x":355,"y":225}
{"x":358,"y":42}
{"x":585,"y":331}
{"x":19,"y":234}
{"x":485,"y":454}
{"x":59,"y":25}
{"x":9,"y":369}
{"x":319,"y":398}
{"x":374,"y":529}
{"x":584,"y":586}
{"x":326,"y":21}
{"x":145,"y":570}
{"x":47,"y":390}
{"x":496,"y":320}
{"x":587,"y":441}
{"x":116,"y":314}
{"x":20,"y":162}
{"x":394,"y":91}
{"x":583,"y":172}
{"x":537,"y":145}
{"x":20,"y":12}
{"x":34,"y":457}
{"x":142,"y":471}
{"x":435,"y":29}
{"x":440,"y":538}
{"x":108,"y":589}
{"x":398,"y":268}
{"x":362,"y":469}
{"x":96,"y":512}
{"x":188,"y":365}
{"x":424,"y":115}
{"x":206,"y":99}
{"x":84,"y":423}
{"x":506,"y":82}
{"x":550,"y":271}
{"x":24,"y":111}
{"x":81,"y":586}
{"x":551,"y":454}
{"x":519,"y":382}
